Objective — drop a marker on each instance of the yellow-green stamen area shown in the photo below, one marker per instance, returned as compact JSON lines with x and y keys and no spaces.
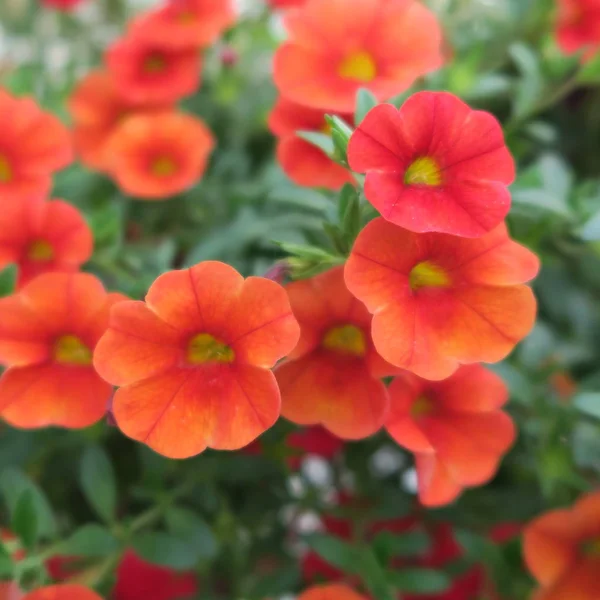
{"x":358,"y":66}
{"x":164,"y":166}
{"x":428,"y":274}
{"x":40,"y":250}
{"x":346,"y":339}
{"x":70,"y":350}
{"x":422,"y":407}
{"x":423,"y":171}
{"x":204,"y":348}
{"x":6,"y":172}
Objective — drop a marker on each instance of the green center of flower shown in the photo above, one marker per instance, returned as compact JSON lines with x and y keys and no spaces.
{"x":423,"y":171}
{"x":6,"y":173}
{"x":358,"y":66}
{"x":154,"y":63}
{"x":346,"y":339}
{"x":427,"y":274}
{"x":203,"y":348}
{"x":422,"y":407}
{"x":592,"y":548}
{"x":40,"y":250}
{"x":186,"y":17}
{"x":70,"y":350}
{"x":164,"y":166}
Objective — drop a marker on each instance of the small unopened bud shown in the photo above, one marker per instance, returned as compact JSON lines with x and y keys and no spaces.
{"x":229,"y":56}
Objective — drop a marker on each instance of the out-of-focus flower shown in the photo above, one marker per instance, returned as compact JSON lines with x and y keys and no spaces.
{"x":314,"y":440}
{"x":562,"y":551}
{"x":444,"y":300}
{"x":285,"y":3}
{"x":563,"y":384}
{"x":184,"y":23}
{"x":34,"y":144}
{"x":148,"y":74}
{"x":578,"y":26}
{"x":194,"y":359}
{"x":155,"y":156}
{"x":455,"y":428}
{"x":62,"y":592}
{"x":48,"y":331}
{"x":304,"y":163}
{"x":332,"y":376}
{"x":65,"y":5}
{"x":434,"y":165}
{"x":333,"y":50}
{"x":331,"y":591}
{"x":41,"y":236}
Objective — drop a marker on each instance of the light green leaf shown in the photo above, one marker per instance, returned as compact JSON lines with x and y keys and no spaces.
{"x":97,"y":480}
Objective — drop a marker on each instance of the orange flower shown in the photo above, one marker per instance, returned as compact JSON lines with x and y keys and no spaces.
{"x":43,"y":236}
{"x":434,"y":165}
{"x":442,"y":300}
{"x":193,"y":360}
{"x":158,"y":155}
{"x":332,"y":376}
{"x":304,"y":163}
{"x":48,"y":332}
{"x":184,"y":23}
{"x":455,"y":428}
{"x":332,"y":591}
{"x":97,"y":109}
{"x":332,"y":51}
{"x":562,"y":551}
{"x":62,"y":592}
{"x":33,"y":145}
{"x":149,"y":74}
{"x":578,"y":26}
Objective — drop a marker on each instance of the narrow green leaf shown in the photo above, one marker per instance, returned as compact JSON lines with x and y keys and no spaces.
{"x":388,"y":545}
{"x":320,"y":140}
{"x":340,"y":134}
{"x":365,"y":101}
{"x":25,"y":520}
{"x":8,"y":280}
{"x":90,"y":540}
{"x":335,"y":551}
{"x":590,"y":232}
{"x":97,"y":480}
{"x":374,"y":576}
{"x":190,"y":527}
{"x":419,"y":581}
{"x":161,"y":548}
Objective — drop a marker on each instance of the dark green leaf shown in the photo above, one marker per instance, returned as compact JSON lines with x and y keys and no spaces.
{"x":98,"y":484}
{"x":190,"y":527}
{"x":164,"y":549}
{"x":374,"y":576}
{"x":90,"y":540}
{"x":276,"y":584}
{"x":24,"y":522}
{"x":8,"y":280}
{"x":388,"y":545}
{"x":335,"y":551}
{"x":365,"y":101}
{"x":419,"y":581}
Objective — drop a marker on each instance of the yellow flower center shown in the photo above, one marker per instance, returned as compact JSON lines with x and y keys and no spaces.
{"x":592,"y":548}
{"x":155,"y":63}
{"x":70,"y":350}
{"x":358,"y":66}
{"x":422,"y":407}
{"x":40,"y":250}
{"x":423,"y":171}
{"x":427,"y":274}
{"x":6,"y":173}
{"x":204,"y":348}
{"x":346,"y":339}
{"x":186,"y":17}
{"x":164,"y":166}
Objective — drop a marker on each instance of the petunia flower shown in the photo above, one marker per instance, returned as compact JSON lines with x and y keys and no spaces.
{"x":578,"y":26}
{"x":154,"y":156}
{"x":333,"y":51}
{"x":434,"y":165}
{"x":41,"y":236}
{"x":562,"y":551}
{"x":34,"y":144}
{"x":193,"y":360}
{"x":440,"y":301}
{"x":48,"y":331}
{"x":302,"y":162}
{"x":62,"y":592}
{"x":455,"y":428}
{"x":332,"y":376}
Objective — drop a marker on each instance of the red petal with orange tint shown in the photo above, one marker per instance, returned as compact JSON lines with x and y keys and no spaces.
{"x":437,"y":487}
{"x":332,"y":591}
{"x":62,"y":592}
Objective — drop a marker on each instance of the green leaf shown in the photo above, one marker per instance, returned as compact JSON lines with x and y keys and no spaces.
{"x":13,"y":483}
{"x":419,"y":581}
{"x":374,"y":576}
{"x":6,"y":563}
{"x":590,"y":71}
{"x":530,"y":85}
{"x":365,"y":101}
{"x":24,"y":522}
{"x":335,"y":551}
{"x":97,"y":480}
{"x":340,"y":134}
{"x":590,"y":232}
{"x":276,"y":584}
{"x":8,"y":280}
{"x":190,"y":527}
{"x":320,"y":140}
{"x":588,"y":403}
{"x":161,"y":548}
{"x":350,"y":213}
{"x":90,"y":540}
{"x":388,"y":545}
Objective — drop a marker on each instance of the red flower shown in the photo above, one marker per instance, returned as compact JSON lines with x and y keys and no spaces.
{"x":312,"y":440}
{"x":43,"y":236}
{"x":444,"y":300}
{"x":578,"y":25}
{"x":455,"y":428}
{"x":154,"y":156}
{"x":97,"y":109}
{"x":149,"y":74}
{"x":33,"y":145}
{"x":65,"y":5}
{"x":184,"y":23}
{"x":141,"y":580}
{"x":304,"y":163}
{"x":48,"y":332}
{"x":562,"y":551}
{"x":332,"y":376}
{"x":9,"y":590}
{"x":194,"y":360}
{"x":332,"y":591}
{"x":434,"y":165}
{"x":332,"y":52}
{"x":62,"y":592}
{"x":285,"y":3}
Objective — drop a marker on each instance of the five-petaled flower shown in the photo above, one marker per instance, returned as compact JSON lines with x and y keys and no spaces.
{"x":155,"y":156}
{"x":332,"y":376}
{"x":41,"y":236}
{"x":455,"y":428}
{"x":64,"y":591}
{"x":434,"y":165}
{"x":33,"y":145}
{"x":578,"y":26}
{"x":48,"y":332}
{"x":304,"y":163}
{"x":562,"y":551}
{"x":194,"y":360}
{"x":440,"y":301}
{"x":332,"y":51}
